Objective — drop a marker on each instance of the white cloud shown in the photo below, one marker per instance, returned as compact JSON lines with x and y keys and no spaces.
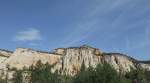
{"x":30,"y":34}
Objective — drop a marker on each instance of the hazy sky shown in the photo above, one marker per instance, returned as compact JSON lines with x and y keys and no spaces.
{"x":111,"y":25}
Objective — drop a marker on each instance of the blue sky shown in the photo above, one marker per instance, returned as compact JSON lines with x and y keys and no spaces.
{"x":111,"y":25}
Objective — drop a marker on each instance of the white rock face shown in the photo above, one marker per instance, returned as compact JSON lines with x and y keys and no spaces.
{"x":75,"y":57}
{"x":60,"y":51}
{"x":4,"y":54}
{"x":119,"y":62}
{"x":23,"y":57}
{"x":144,"y":66}
{"x":68,"y":60}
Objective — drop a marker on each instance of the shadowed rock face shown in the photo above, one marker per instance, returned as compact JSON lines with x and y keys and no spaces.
{"x":69,"y":60}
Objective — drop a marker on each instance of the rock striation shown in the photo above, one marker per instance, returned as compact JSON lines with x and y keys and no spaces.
{"x":68,"y":60}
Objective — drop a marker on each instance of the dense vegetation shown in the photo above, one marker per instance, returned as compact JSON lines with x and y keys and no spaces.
{"x":101,"y":74}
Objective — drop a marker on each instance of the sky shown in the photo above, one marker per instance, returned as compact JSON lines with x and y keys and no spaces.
{"x":111,"y":25}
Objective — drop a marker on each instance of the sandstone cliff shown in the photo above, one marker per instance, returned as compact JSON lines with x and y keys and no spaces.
{"x":4,"y":54}
{"x":23,"y":57}
{"x":69,"y":60}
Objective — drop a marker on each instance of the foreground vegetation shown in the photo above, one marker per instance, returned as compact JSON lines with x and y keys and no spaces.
{"x":101,"y":74}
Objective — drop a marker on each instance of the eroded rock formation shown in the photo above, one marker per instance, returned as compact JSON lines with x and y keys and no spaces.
{"x":68,"y":60}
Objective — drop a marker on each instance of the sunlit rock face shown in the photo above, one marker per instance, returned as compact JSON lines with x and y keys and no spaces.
{"x":24,"y":57}
{"x":120,"y":62}
{"x":68,"y":60}
{"x":75,"y":57}
{"x":144,"y":65}
{"x":4,"y":54}
{"x":60,"y":51}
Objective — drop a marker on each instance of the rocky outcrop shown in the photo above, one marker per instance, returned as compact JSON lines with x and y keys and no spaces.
{"x":75,"y":57}
{"x":24,"y":57}
{"x":144,"y":65}
{"x":120,"y":62}
{"x":69,"y":60}
{"x":4,"y":54}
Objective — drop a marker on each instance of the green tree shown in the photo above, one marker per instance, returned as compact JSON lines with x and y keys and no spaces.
{"x":101,"y":74}
{"x":106,"y":74}
{"x":41,"y":73}
{"x":3,"y":81}
{"x":139,"y":75}
{"x":17,"y":77}
{"x":147,"y":75}
{"x":82,"y":76}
